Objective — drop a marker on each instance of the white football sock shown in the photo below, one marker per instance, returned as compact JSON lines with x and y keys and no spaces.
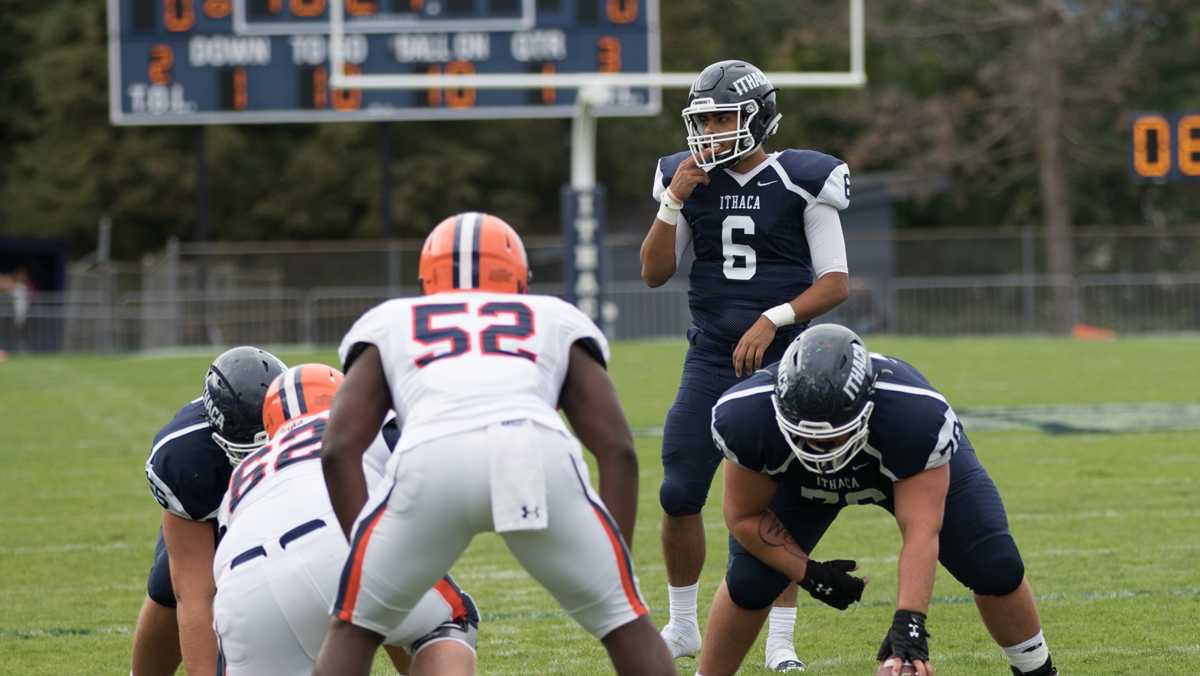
{"x":1029,"y":654}
{"x":781,"y":625}
{"x":683,"y":604}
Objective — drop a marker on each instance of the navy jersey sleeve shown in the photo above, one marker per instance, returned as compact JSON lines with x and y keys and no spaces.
{"x":913,"y":427}
{"x":744,"y":428}
{"x":824,"y":179}
{"x":664,"y":171}
{"x":187,"y":471}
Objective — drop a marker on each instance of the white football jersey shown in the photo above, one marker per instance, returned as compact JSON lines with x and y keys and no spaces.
{"x":282,"y":486}
{"x":464,"y":360}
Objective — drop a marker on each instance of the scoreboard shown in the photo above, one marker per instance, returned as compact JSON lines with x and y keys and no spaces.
{"x":174,"y":62}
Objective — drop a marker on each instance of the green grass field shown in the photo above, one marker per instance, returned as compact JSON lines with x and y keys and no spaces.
{"x":1107,"y":521}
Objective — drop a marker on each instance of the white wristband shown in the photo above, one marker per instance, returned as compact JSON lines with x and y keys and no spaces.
{"x":668,"y":207}
{"x":781,"y":315}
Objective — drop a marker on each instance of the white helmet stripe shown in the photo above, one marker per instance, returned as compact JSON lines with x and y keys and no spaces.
{"x":465,"y":253}
{"x":293,"y":397}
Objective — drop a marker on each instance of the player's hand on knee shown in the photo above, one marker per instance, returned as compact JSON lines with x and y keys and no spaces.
{"x":687,"y":177}
{"x":748,"y":355}
{"x":831,"y":583}
{"x":906,"y":642}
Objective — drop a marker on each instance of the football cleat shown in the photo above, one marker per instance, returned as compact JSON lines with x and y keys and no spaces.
{"x":473,"y":251}
{"x":681,"y":640}
{"x":785,"y":660}
{"x":299,"y":391}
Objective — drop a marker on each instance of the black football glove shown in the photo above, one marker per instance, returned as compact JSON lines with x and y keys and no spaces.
{"x":906,"y":638}
{"x":831,"y":583}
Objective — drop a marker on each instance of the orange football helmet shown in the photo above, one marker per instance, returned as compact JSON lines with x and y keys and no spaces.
{"x":301,"y":390}
{"x":473,"y":250}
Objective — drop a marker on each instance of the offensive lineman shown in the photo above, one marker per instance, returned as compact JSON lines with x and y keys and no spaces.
{"x":188,"y":471}
{"x":281,"y":555}
{"x":856,"y":428}
{"x":769,"y":257}
{"x":474,"y":370}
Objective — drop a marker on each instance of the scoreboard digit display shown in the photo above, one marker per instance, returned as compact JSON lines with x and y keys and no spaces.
{"x":1165,"y":147}
{"x":175,"y":62}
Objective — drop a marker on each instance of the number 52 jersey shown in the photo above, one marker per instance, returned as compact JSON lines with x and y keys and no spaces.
{"x":461,"y":361}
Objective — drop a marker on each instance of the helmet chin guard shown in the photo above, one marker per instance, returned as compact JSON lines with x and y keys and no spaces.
{"x":238,"y":452}
{"x":705,"y":148}
{"x":822,"y":459}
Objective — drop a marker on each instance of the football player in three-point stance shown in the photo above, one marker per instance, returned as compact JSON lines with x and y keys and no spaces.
{"x":832,"y":425}
{"x":769,"y":257}
{"x":281,"y":555}
{"x":474,"y":371}
{"x":188,"y":470}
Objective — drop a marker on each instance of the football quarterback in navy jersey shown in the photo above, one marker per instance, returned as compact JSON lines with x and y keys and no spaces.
{"x":188,"y":470}
{"x":832,"y":425}
{"x":769,"y":257}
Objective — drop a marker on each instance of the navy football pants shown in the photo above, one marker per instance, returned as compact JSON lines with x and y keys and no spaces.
{"x":975,"y":544}
{"x":689,"y":456}
{"x":158,"y":585}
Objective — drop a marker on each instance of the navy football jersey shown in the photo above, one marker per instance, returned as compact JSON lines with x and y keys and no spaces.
{"x":187,"y":471}
{"x":747,"y":233}
{"x":912,"y":429}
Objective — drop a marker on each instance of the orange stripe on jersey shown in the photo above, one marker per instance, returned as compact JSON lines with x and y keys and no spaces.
{"x":458,"y":607}
{"x":352,"y":578}
{"x":618,"y":545}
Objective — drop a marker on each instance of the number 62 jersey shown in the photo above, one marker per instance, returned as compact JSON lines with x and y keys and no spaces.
{"x":458,"y":361}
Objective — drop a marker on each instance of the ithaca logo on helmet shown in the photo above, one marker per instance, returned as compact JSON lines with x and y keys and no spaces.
{"x":858,"y":371}
{"x":747,"y":82}
{"x":215,"y":417}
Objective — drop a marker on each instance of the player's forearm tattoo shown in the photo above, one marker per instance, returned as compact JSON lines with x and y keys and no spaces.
{"x":773,"y":534}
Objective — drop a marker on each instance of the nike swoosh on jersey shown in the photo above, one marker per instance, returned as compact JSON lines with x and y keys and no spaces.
{"x":761,"y":184}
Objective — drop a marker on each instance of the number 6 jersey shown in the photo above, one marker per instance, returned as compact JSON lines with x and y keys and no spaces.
{"x":760,"y":238}
{"x":460,"y":361}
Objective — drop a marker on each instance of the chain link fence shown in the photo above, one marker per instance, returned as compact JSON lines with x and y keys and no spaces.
{"x":931,"y":282}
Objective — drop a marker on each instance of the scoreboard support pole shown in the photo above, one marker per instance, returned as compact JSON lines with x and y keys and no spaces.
{"x":583,"y":211}
{"x":385,"y":207}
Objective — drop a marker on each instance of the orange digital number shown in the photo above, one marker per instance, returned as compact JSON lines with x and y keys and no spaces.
{"x":1143,"y":128}
{"x":416,"y":5}
{"x":549,"y":94}
{"x":241,"y":93}
{"x":308,"y":8}
{"x":162,"y":59}
{"x":348,"y":99}
{"x":622,"y":11}
{"x":320,"y":83}
{"x":361,"y":7}
{"x":1188,"y":139}
{"x":608,"y":54}
{"x":217,"y":9}
{"x":179,"y":16}
{"x":275,"y":6}
{"x":462,"y":97}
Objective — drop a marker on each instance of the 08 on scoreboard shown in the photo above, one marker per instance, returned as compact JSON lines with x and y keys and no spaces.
{"x":265,"y":61}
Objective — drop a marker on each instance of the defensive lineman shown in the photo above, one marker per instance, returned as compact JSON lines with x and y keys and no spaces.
{"x":474,"y":370}
{"x":280,"y":559}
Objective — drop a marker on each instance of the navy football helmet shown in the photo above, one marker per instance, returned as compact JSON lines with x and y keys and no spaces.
{"x":729,"y":86}
{"x":234,"y":389}
{"x":823,"y":397}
